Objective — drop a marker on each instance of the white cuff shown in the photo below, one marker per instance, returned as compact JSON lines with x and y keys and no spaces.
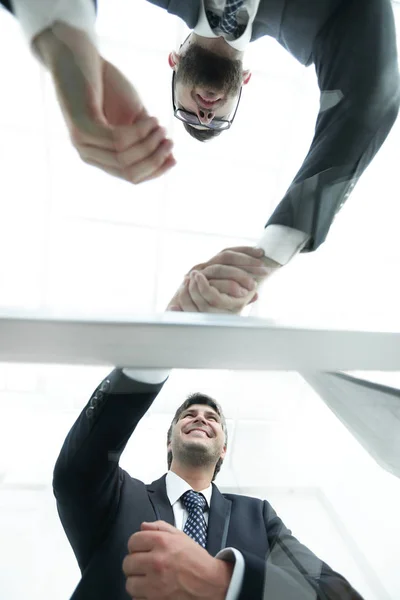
{"x":231,"y":554}
{"x":35,"y":17}
{"x":147,"y":375}
{"x":282,"y":243}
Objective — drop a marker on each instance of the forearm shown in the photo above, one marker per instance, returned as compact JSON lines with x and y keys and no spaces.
{"x":77,"y":71}
{"x":95,"y":443}
{"x":358,"y":75}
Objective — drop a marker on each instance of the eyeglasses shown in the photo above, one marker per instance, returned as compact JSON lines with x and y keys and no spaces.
{"x":192,"y":119}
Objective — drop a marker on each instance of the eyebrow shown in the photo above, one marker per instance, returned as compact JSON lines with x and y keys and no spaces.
{"x":213,"y":413}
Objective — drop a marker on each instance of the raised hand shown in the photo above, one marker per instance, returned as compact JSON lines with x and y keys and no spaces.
{"x":107,"y":121}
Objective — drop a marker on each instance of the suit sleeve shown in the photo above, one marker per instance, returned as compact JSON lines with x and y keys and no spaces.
{"x":87,"y":478}
{"x":290,"y":571}
{"x":355,"y":57}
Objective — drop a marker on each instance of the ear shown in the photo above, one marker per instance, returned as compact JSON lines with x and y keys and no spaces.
{"x":173,"y":59}
{"x":246,"y":75}
{"x":223,"y":453}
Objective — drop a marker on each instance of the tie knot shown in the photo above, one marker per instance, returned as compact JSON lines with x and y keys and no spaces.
{"x":192,"y":500}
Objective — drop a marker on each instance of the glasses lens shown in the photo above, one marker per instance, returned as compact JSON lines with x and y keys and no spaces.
{"x":192,"y":119}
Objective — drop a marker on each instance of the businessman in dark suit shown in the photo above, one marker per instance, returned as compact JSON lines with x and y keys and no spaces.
{"x":351,"y":43}
{"x":102,"y":507}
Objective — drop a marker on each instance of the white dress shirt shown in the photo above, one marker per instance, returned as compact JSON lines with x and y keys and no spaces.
{"x":279,"y":242}
{"x":176,"y":486}
{"x":36,"y":16}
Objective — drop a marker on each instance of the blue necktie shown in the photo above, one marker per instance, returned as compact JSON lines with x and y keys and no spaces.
{"x":195,"y":526}
{"x":227,"y":23}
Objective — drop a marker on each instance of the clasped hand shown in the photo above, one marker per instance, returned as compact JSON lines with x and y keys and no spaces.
{"x":166,"y":564}
{"x":225,"y":284}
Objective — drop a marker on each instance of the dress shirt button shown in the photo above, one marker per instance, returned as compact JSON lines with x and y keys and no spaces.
{"x":105,"y":385}
{"x":90,"y":412}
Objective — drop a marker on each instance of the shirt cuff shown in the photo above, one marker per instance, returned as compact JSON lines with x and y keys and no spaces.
{"x":35,"y":17}
{"x":282,"y":243}
{"x":235,"y":586}
{"x":147,"y":375}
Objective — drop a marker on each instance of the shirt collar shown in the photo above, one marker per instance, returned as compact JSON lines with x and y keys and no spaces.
{"x":176,"y":486}
{"x":203,"y":28}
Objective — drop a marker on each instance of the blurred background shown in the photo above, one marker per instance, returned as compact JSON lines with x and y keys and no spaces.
{"x":75,"y":239}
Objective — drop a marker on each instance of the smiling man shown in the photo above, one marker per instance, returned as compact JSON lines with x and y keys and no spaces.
{"x":186,"y":539}
{"x":207,"y":84}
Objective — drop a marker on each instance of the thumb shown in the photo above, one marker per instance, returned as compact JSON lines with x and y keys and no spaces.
{"x":157,"y":526}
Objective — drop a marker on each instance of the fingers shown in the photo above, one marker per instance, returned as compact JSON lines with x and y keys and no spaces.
{"x":242,"y":261}
{"x":91,"y":134}
{"x":117,"y":156}
{"x":174,"y":308}
{"x":185,"y":299}
{"x":233,"y":275}
{"x":168,"y":164}
{"x":231,"y":288}
{"x":254,"y":298}
{"x":196,"y":296}
{"x":158,"y":526}
{"x":136,"y":153}
{"x":208,"y":298}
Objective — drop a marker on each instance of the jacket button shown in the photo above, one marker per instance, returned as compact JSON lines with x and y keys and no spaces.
{"x":105,"y":385}
{"x":90,"y":412}
{"x":97,"y":399}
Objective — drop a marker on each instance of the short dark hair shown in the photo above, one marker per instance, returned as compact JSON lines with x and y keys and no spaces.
{"x":198,"y":398}
{"x":202,"y":134}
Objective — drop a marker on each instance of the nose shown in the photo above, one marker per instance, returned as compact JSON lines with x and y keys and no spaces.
{"x":200,"y":418}
{"x":205,"y":115}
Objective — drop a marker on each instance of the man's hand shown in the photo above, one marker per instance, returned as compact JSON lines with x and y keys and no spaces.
{"x":224,"y":284}
{"x":108,"y":123}
{"x":166,"y":564}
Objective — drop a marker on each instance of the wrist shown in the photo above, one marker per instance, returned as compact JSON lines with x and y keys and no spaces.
{"x":272,"y":264}
{"x":60,"y":40}
{"x":223,"y":570}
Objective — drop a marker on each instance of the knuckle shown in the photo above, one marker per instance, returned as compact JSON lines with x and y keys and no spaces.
{"x":129,"y":587}
{"x":159,"y":564}
{"x":119,"y":140}
{"x":125,"y":565}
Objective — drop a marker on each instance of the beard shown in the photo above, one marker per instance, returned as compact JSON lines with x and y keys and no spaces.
{"x":196,"y":455}
{"x":202,"y":68}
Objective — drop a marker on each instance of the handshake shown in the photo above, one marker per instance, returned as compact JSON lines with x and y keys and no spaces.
{"x":225,"y":284}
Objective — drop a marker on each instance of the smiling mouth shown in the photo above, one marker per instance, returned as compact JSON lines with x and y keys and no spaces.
{"x":200,"y":430}
{"x":207,"y":103}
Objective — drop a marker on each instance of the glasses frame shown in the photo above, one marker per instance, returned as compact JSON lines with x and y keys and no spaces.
{"x":177,"y":115}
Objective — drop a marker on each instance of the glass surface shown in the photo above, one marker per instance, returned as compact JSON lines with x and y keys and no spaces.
{"x":74,"y":238}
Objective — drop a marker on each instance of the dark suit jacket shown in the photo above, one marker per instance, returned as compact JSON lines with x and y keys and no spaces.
{"x":353,"y":47}
{"x":100,"y":506}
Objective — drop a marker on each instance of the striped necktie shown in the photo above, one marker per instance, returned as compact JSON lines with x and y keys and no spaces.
{"x":227,"y":22}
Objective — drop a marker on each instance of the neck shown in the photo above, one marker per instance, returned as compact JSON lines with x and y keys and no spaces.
{"x":218,"y":45}
{"x":199,"y":478}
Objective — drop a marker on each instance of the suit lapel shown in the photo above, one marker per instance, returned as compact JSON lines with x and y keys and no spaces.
{"x":218,"y":522}
{"x":158,"y":497}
